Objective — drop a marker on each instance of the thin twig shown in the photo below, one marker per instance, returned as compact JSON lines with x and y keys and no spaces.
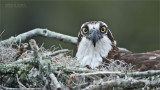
{"x":20,"y":84}
{"x":2,"y":32}
{"x":56,"y":52}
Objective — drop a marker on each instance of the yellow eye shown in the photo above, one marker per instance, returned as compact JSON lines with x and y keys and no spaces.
{"x":103,"y":29}
{"x":85,"y":30}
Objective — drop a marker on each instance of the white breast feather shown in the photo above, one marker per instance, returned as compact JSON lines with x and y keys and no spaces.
{"x":87,"y":54}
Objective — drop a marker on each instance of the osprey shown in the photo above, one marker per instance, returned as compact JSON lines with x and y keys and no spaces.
{"x":95,"y":44}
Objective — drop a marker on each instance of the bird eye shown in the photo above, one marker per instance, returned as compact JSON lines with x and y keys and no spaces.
{"x":103,"y":29}
{"x":85,"y":30}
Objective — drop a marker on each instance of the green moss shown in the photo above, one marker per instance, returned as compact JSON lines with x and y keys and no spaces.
{"x":23,"y":71}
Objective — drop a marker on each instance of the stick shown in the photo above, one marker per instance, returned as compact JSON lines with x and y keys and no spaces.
{"x":7,"y":88}
{"x":55,"y":81}
{"x":133,"y":74}
{"x":56,"y":52}
{"x":123,"y":83}
{"x":142,"y":74}
{"x":40,"y":32}
{"x":98,"y":73}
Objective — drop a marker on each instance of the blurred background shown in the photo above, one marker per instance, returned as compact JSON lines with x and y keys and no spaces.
{"x":134,"y":23}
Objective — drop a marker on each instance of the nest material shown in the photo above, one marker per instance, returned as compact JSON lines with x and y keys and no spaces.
{"x":39,"y":68}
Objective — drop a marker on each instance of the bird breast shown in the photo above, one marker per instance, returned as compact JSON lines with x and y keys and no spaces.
{"x":92,"y":56}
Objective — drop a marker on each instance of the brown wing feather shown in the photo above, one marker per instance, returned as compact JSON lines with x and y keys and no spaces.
{"x":143,"y":61}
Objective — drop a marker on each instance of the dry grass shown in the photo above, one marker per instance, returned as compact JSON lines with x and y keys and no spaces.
{"x":7,"y":53}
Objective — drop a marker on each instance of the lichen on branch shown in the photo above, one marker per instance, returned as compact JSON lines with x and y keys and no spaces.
{"x":40,"y":32}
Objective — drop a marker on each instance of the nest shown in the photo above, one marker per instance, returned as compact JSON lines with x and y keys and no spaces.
{"x":40,"y":68}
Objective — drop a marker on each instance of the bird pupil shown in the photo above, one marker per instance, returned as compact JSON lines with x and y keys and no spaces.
{"x":102,"y":29}
{"x":85,"y":30}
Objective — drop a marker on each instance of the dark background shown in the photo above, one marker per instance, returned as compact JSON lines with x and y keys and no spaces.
{"x":134,"y":23}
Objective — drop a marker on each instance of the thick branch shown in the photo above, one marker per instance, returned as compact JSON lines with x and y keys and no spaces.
{"x":55,"y":81}
{"x":142,"y":74}
{"x":6,"y":88}
{"x":123,"y":83}
{"x":41,"y":32}
{"x":133,"y":74}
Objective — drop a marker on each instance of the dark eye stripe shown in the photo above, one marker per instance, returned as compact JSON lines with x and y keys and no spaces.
{"x":107,"y":30}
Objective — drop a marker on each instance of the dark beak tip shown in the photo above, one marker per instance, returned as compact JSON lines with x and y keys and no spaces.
{"x":94,"y":44}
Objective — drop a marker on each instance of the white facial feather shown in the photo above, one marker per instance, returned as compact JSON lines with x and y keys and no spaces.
{"x":94,"y":25}
{"x":87,"y":54}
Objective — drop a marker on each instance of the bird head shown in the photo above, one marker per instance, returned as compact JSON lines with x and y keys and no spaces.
{"x":95,"y":41}
{"x":94,"y":31}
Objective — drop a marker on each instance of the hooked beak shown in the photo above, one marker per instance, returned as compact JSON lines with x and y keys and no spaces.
{"x":94,"y":36}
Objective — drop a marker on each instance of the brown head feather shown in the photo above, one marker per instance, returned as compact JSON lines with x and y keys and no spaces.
{"x":79,"y":38}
